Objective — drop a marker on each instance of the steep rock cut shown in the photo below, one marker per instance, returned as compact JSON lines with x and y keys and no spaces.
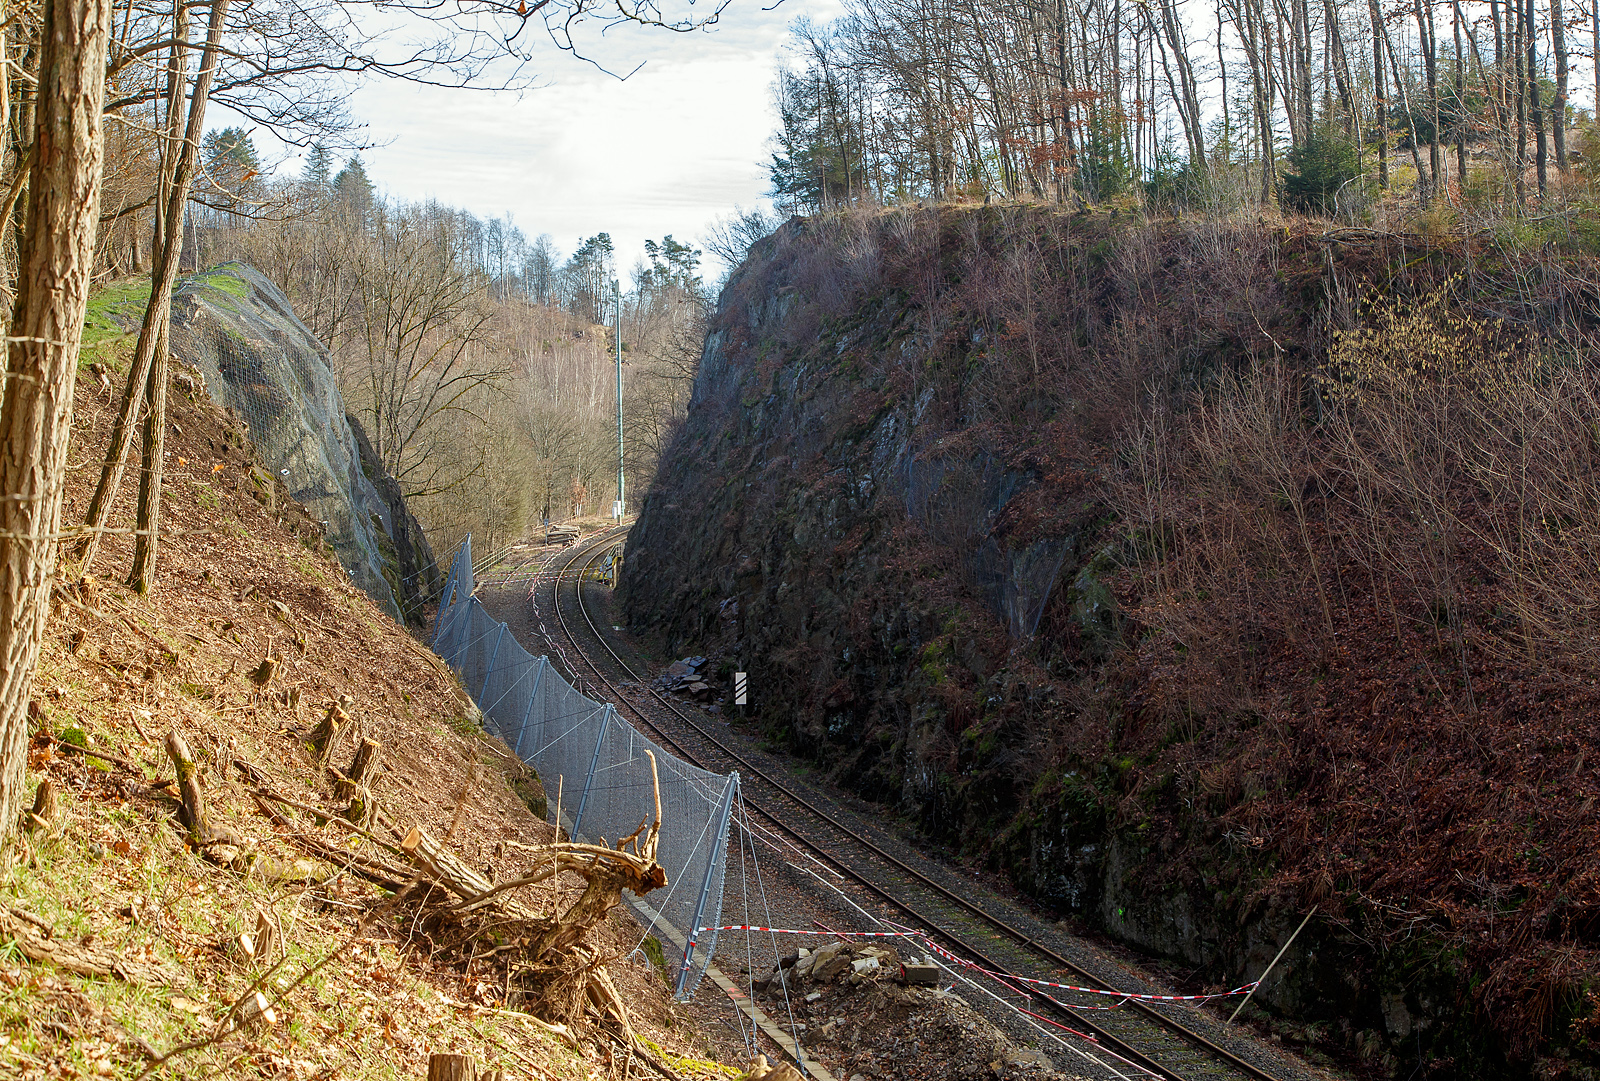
{"x":256,"y":357}
{"x":1094,"y":547}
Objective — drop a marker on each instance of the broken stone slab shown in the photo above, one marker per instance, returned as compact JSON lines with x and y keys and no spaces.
{"x":826,"y":968}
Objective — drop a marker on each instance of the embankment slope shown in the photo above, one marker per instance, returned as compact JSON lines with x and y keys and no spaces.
{"x":1199,"y":575}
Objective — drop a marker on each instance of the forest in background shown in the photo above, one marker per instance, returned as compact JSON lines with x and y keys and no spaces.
{"x":480,"y":362}
{"x":1463,"y":107}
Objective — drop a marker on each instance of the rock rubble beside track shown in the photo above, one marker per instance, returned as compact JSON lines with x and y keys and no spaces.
{"x":812,"y":859}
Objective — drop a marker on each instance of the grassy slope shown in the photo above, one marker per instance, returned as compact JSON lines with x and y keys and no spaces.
{"x":242,"y":577}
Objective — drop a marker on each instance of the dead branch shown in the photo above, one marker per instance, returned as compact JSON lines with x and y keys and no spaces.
{"x":560,"y":965}
{"x":37,"y":941}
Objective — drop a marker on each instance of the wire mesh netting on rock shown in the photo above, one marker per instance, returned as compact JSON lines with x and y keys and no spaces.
{"x":236,"y":328}
{"x":586,"y":753}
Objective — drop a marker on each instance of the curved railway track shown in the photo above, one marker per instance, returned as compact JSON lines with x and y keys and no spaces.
{"x":1139,"y":1032}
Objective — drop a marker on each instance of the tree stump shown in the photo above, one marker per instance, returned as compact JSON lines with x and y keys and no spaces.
{"x":451,"y":1068}
{"x":327,"y":730}
{"x":45,"y":806}
{"x":362,"y":766}
{"x":266,"y":938}
{"x":195,"y":816}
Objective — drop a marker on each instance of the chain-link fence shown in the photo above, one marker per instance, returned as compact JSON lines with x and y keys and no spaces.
{"x":592,"y":763}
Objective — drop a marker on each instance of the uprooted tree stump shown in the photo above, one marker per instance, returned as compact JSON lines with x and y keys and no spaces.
{"x":560,"y":966}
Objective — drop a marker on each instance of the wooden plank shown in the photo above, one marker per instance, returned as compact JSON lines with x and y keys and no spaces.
{"x":810,"y":1067}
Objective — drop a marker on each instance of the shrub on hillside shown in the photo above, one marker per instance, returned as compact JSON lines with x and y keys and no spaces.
{"x":1321,"y":166}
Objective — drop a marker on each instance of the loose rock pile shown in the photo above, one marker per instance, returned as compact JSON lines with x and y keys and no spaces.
{"x":683,"y":677}
{"x":860,"y":1019}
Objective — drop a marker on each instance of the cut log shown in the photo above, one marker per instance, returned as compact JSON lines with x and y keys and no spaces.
{"x":451,"y":1068}
{"x":36,"y":940}
{"x":46,"y":806}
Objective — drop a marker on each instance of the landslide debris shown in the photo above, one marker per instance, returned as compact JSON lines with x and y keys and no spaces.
{"x":860,"y":1018}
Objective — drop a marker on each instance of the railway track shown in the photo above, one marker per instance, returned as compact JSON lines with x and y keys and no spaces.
{"x":1141,"y":1033}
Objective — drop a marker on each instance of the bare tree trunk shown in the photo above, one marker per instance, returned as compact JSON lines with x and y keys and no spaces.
{"x":1423,"y":187}
{"x":1340,"y":62}
{"x":1461,"y":98}
{"x":133,"y":392}
{"x":1380,"y":104}
{"x":1517,"y":30}
{"x":147,"y":537}
{"x":1535,"y":113}
{"x":1558,"y":41}
{"x":55,"y":267}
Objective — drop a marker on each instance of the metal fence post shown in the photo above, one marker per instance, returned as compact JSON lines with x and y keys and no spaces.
{"x":494,"y":655}
{"x":692,"y":932}
{"x":544,"y":662}
{"x":605,"y":722}
{"x":445,"y":596}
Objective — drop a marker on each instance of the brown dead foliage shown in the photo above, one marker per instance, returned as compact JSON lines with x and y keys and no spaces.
{"x":244,"y":579}
{"x":1354,"y":662}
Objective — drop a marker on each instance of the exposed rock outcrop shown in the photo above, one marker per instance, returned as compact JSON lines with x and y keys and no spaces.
{"x":257,"y":359}
{"x":1187,"y":687}
{"x":408,"y":561}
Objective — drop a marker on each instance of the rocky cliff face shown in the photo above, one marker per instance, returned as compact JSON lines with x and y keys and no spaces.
{"x":408,"y":562}
{"x":930,"y":497}
{"x":257,"y":359}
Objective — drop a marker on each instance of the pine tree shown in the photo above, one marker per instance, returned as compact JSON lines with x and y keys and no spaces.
{"x":231,"y":166}
{"x":352,"y":186}
{"x":319,"y":166}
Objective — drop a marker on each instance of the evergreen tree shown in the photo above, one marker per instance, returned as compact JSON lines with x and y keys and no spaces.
{"x":588,"y":274}
{"x":231,"y":167}
{"x":319,"y":166}
{"x":1320,"y":166}
{"x":230,"y":149}
{"x":352,"y":186}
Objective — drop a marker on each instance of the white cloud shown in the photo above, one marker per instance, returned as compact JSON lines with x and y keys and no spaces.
{"x":666,"y":151}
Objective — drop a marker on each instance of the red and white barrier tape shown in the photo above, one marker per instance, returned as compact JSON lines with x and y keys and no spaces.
{"x":1003,"y":977}
{"x":1123,"y":995}
{"x":821,"y":934}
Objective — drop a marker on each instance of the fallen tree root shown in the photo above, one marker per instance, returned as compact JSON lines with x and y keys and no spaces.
{"x":559,"y":965}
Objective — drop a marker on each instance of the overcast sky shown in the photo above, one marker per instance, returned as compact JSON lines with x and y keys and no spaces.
{"x":676,"y":145}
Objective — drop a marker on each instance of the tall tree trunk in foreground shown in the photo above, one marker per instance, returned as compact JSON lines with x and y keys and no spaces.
{"x":147,"y":540}
{"x":116,"y":459}
{"x":55,"y":265}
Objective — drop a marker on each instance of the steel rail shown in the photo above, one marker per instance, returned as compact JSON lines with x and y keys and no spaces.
{"x":1109,"y":1039}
